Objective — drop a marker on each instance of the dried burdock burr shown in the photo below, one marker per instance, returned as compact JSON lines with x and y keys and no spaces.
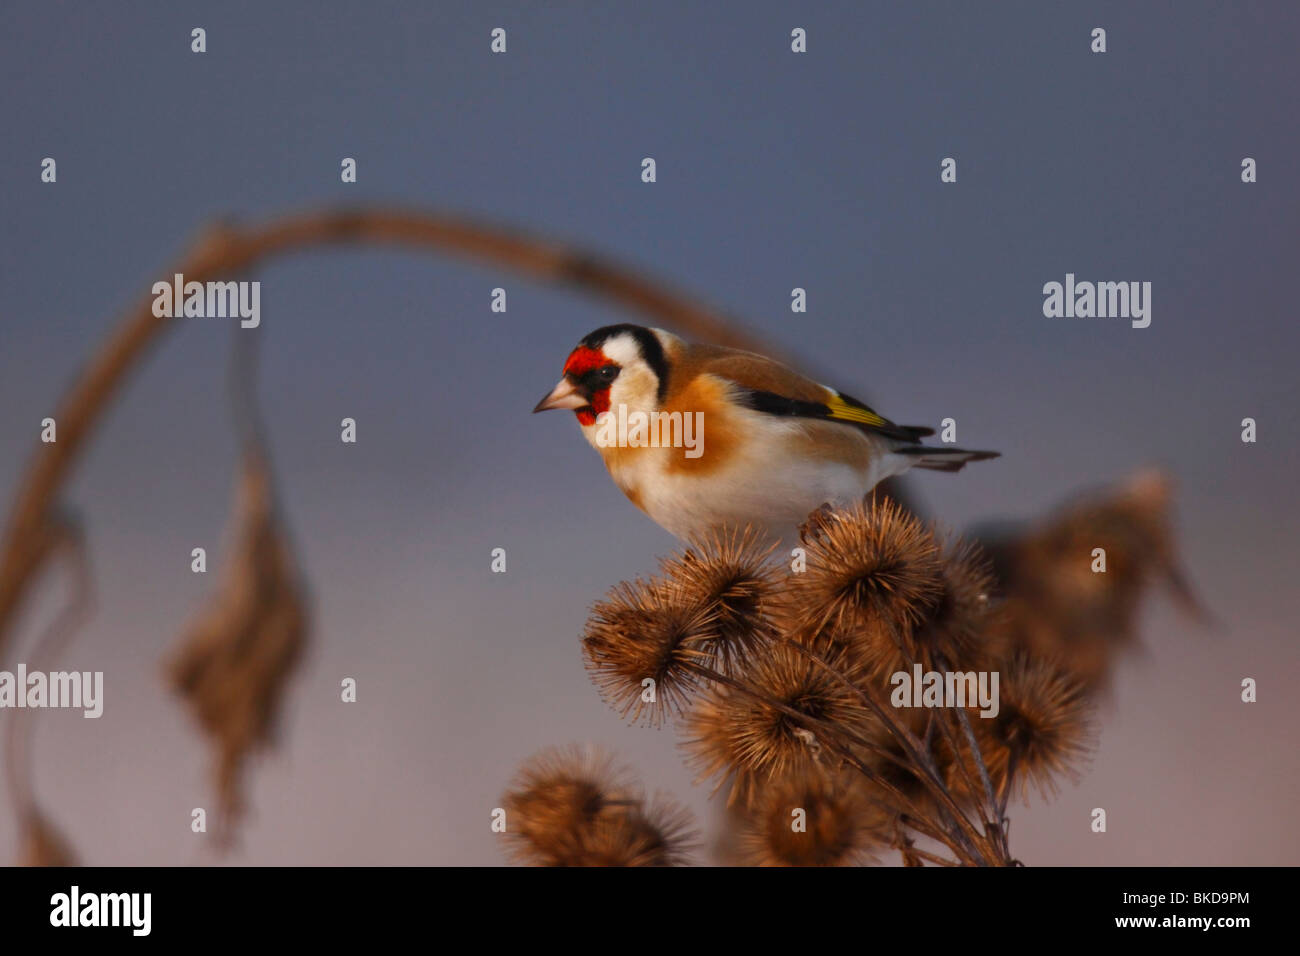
{"x":573,"y":806}
{"x":639,"y":645}
{"x":727,"y":574}
{"x":1074,"y":580}
{"x":1043,"y":729}
{"x":873,"y":574}
{"x":651,"y":833}
{"x":819,"y":818}
{"x":751,"y":733}
{"x":792,"y":674}
{"x":953,"y":629}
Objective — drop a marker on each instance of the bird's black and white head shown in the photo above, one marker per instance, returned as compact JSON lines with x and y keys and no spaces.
{"x":615,"y":365}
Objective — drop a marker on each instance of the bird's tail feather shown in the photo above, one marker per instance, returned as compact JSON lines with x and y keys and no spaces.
{"x":943,"y":459}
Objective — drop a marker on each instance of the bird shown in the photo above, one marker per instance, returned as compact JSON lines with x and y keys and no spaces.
{"x":701,"y":437}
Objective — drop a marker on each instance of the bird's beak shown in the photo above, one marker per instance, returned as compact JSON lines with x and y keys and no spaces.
{"x":564,"y":395}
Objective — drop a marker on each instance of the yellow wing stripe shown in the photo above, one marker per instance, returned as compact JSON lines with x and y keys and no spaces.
{"x":845,"y":412}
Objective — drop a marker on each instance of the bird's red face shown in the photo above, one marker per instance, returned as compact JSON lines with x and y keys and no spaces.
{"x":588,"y":377}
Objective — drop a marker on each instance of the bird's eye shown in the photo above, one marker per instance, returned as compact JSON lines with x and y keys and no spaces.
{"x":608,"y":373}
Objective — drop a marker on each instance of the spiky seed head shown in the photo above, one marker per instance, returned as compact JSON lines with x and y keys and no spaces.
{"x":727,"y":574}
{"x":815,"y":819}
{"x":744,"y":734}
{"x":1043,"y":729}
{"x":573,"y":806}
{"x":638,"y":644}
{"x":873,"y":573}
{"x":954,"y":624}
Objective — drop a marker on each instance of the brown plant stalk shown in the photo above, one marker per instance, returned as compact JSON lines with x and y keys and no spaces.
{"x":41,"y":843}
{"x":225,"y":251}
{"x":964,"y":840}
{"x":993,"y":848}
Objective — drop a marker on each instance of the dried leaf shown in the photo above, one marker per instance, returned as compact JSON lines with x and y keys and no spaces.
{"x":234,"y":661}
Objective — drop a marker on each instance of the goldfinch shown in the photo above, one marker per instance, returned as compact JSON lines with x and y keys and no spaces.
{"x":699,"y":436}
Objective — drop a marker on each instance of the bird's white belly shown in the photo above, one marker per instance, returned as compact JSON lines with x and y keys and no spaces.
{"x":769,"y":488}
{"x":779,"y":499}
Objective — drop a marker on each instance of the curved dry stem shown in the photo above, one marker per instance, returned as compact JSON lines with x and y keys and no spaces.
{"x":918,"y":756}
{"x":959,"y":841}
{"x":225,"y":251}
{"x":66,"y":541}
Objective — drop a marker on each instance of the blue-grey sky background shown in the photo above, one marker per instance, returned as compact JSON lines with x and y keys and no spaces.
{"x":775,"y":170}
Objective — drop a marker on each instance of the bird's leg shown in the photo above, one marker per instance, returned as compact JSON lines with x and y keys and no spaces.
{"x":819,"y":519}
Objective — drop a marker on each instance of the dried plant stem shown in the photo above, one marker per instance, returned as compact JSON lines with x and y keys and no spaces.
{"x":1007,"y":786}
{"x":984,"y":784}
{"x":974,"y":745}
{"x":965,"y":841}
{"x":908,"y":850}
{"x":997,"y":820}
{"x":939,"y":719}
{"x":918,"y":755}
{"x":67,"y":542}
{"x":225,"y":251}
{"x":950,"y":736}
